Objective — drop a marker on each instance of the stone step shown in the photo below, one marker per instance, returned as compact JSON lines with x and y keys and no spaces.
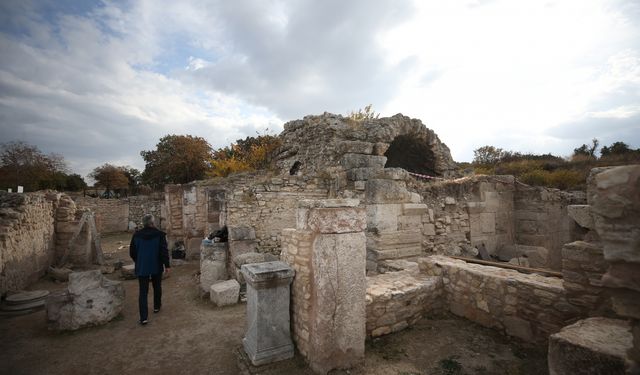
{"x":378,"y":255}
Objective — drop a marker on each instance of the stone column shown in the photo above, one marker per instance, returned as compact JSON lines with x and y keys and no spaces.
{"x":335,"y":292}
{"x":268,"y":336}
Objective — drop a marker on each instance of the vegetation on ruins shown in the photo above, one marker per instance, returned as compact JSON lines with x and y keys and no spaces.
{"x":177,"y":159}
{"x":549,"y":170}
{"x":366,"y":113}
{"x":22,"y":164}
{"x":249,"y":154}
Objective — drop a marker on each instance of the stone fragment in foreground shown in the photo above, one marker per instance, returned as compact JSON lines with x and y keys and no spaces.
{"x":589,"y":347}
{"x":225,"y":293}
{"x":90,"y":299}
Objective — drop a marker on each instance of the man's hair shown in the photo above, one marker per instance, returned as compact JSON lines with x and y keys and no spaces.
{"x":148,"y":221}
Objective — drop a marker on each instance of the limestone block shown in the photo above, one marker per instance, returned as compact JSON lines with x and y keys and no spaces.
{"x":211,"y":272}
{"x":590,"y":346}
{"x":350,"y":161}
{"x":449,"y":201}
{"x":392,"y":174}
{"x":359,"y":185}
{"x":339,"y":303}
{"x":225,"y":293}
{"x":429,"y":230}
{"x":488,"y":222}
{"x":241,"y":247}
{"x":355,"y":147}
{"x":414,"y":208}
{"x":210,"y":250}
{"x":337,"y":220}
{"x":383,"y":217}
{"x":538,"y":256}
{"x":410,"y":222}
{"x":241,"y":233}
{"x":361,"y":174}
{"x":387,"y":191}
{"x":581,"y":214}
{"x":193,"y":248}
{"x":90,"y":299}
{"x":475,"y":207}
{"x":250,"y":258}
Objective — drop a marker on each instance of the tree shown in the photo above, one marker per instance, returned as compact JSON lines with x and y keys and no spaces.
{"x":25,"y":165}
{"x":177,"y":159}
{"x":586,"y":150}
{"x":133,"y":176}
{"x":110,"y":178}
{"x":487,"y":155}
{"x":249,"y":154}
{"x":617,"y":148}
{"x":75,"y":182}
{"x":363,"y":114}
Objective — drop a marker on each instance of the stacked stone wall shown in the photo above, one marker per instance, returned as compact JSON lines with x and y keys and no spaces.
{"x":111,"y":215}
{"x":527,"y":306}
{"x":296,"y":251}
{"x":541,"y":219}
{"x":27,"y":238}
{"x":397,"y":300}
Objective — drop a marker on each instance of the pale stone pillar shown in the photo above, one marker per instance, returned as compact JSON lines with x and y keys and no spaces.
{"x":337,"y":286}
{"x":268,"y":336}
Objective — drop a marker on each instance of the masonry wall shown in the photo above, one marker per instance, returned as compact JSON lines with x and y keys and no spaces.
{"x":527,"y":306}
{"x":467,"y":212}
{"x":119,"y":215}
{"x":541,"y":219}
{"x":27,"y":238}
{"x":265,"y":203}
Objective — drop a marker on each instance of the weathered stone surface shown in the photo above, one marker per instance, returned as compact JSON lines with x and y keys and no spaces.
{"x":225,"y":293}
{"x":581,"y":214}
{"x":392,"y":174}
{"x":383,"y":217}
{"x":336,"y":220}
{"x":268,"y":337}
{"x":210,"y":250}
{"x":387,"y":191}
{"x":91,"y":299}
{"x":355,"y":147}
{"x":211,"y":272}
{"x":59,"y":274}
{"x":338,"y":325}
{"x":249,"y":258}
{"x":239,"y":247}
{"x":241,"y":233}
{"x":590,"y":346}
{"x":350,"y":161}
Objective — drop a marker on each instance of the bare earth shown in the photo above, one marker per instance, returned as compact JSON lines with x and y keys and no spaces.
{"x":191,"y":336}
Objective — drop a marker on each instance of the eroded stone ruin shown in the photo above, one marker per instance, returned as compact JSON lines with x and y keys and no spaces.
{"x":373,"y":221}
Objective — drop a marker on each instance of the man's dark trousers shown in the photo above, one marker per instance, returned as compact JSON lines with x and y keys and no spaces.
{"x":143,"y":281}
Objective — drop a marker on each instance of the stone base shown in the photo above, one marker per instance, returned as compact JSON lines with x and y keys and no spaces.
{"x":266,"y":356}
{"x":225,"y":293}
{"x":591,"y":346}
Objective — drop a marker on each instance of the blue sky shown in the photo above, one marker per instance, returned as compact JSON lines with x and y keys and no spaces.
{"x":99,"y":81}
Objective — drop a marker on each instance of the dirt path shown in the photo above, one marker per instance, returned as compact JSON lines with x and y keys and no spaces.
{"x":191,"y":336}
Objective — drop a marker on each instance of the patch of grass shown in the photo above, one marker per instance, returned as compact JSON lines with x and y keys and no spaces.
{"x":450,"y":366}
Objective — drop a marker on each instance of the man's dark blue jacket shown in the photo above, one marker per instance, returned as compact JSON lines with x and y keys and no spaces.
{"x":149,"y":251}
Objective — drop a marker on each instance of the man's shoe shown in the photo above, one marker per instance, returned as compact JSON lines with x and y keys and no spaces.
{"x":155,"y":311}
{"x":143,"y":322}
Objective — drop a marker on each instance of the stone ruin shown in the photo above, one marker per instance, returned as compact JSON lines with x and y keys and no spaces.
{"x":379,"y":232}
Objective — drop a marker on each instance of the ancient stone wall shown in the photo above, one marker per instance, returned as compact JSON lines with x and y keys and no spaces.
{"x":527,"y":306}
{"x":119,"y":215}
{"x":397,"y":300}
{"x":258,"y":201}
{"x":327,"y":141}
{"x":112,"y":215}
{"x":541,"y":219}
{"x":467,"y":212}
{"x":27,"y":238}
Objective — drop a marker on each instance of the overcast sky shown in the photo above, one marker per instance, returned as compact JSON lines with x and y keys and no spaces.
{"x":99,"y":81}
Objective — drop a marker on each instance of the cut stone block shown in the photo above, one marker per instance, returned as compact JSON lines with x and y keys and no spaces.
{"x":242,"y":233}
{"x":337,"y":220}
{"x":414,"y":208}
{"x":581,"y":213}
{"x":350,"y":161}
{"x":241,"y":247}
{"x":210,"y":250}
{"x":225,"y":293}
{"x":211,"y":272}
{"x":383,"y":217}
{"x":355,"y":147}
{"x":129,"y":272}
{"x":387,"y":191}
{"x":590,"y":346}
{"x":392,"y":174}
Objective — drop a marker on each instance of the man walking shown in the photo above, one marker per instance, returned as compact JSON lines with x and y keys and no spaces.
{"x":149,"y":251}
